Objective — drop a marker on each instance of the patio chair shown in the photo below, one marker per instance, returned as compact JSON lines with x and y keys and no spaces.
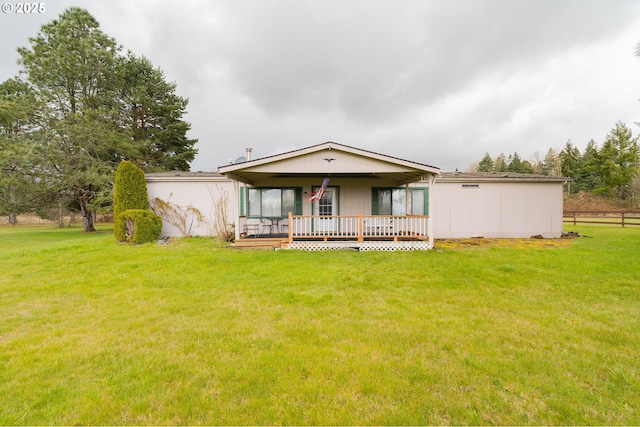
{"x":252,"y":227}
{"x":266,"y":222}
{"x":378,"y":226}
{"x":285,"y":225}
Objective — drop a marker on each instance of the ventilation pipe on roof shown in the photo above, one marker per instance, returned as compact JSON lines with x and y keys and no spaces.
{"x":249,"y":150}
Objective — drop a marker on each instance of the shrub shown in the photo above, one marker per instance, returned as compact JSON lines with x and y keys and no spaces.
{"x":130,"y":192}
{"x":141,"y":225}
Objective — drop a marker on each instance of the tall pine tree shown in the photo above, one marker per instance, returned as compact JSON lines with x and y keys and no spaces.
{"x":619,"y":162}
{"x":101,"y":108}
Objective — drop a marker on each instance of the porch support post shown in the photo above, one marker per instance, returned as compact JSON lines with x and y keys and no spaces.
{"x":406,"y":199}
{"x":360,"y":229}
{"x":236,"y":188}
{"x":432,"y":181}
{"x":290,"y":227}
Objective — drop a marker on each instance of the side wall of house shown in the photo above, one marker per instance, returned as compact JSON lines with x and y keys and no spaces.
{"x":211,"y":197}
{"x":497,"y":209}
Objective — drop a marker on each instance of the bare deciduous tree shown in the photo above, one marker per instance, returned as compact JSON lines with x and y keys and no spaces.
{"x":182,"y":217}
{"x":222,"y":228}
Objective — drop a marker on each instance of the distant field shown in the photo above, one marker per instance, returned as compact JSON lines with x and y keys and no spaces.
{"x":193,"y":332}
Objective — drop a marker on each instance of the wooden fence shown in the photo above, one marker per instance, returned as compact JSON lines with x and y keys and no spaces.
{"x":622,"y":218}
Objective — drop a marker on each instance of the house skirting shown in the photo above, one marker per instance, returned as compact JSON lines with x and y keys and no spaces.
{"x":360,"y":246}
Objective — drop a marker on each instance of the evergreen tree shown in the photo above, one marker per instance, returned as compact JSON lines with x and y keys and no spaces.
{"x":101,"y":108}
{"x":153,"y":113}
{"x":129,"y":192}
{"x":516,"y":164}
{"x":588,"y":176}
{"x":72,"y":66}
{"x":619,"y":162}
{"x":23,"y":187}
{"x":486,"y":164}
{"x":570,"y":164}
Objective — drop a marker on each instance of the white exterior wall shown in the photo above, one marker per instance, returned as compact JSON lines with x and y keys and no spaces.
{"x":496,"y":209}
{"x":201,"y":193}
{"x":493,"y":209}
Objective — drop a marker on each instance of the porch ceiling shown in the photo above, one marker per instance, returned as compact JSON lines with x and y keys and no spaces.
{"x":400,"y":178}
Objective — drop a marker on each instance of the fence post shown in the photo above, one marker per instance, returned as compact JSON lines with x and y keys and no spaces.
{"x":574,"y":219}
{"x":622,"y":219}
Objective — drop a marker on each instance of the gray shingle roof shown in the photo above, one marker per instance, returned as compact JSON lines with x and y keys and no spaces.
{"x":498,"y":176}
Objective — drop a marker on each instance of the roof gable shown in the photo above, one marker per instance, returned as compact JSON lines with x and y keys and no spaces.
{"x":329,"y":158}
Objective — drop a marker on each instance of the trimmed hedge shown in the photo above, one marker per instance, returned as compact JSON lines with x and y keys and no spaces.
{"x":142,"y":226}
{"x":130,"y":192}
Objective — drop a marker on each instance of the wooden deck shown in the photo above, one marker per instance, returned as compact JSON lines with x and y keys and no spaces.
{"x":359,"y":232}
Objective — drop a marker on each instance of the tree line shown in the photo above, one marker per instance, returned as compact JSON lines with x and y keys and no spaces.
{"x":78,"y":107}
{"x":610,"y":169}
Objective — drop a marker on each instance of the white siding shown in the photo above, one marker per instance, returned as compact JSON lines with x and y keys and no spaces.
{"x":201,"y":194}
{"x":492,"y":209}
{"x":341,"y":163}
{"x":497,"y":209}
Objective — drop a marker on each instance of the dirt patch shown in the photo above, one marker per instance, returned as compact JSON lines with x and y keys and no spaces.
{"x":483,"y":243}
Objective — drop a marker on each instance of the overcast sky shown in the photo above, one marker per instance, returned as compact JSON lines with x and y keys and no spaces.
{"x":438,"y":82}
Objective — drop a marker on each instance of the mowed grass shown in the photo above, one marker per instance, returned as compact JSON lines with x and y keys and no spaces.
{"x":95,"y":332}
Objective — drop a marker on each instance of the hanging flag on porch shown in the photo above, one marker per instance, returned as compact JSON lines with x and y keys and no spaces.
{"x":317,"y":195}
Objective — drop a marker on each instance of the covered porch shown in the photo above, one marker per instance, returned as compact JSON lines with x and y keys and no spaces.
{"x":367,"y":201}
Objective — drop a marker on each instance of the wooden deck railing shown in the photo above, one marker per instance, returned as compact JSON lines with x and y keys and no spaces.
{"x":358,"y":227}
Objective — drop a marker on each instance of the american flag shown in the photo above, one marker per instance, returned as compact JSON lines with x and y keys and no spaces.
{"x":317,"y":195}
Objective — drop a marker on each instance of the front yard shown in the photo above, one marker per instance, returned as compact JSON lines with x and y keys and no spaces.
{"x":93,"y":332}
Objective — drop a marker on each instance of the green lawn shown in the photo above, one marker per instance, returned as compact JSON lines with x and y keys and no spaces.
{"x":95,"y":332}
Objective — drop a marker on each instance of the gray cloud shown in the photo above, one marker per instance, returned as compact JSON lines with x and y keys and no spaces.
{"x":436,"y":81}
{"x":374,"y":60}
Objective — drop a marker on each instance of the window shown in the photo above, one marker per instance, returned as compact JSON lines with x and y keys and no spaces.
{"x":325,"y":204}
{"x":393,"y":201}
{"x":274,"y":202}
{"x":417,"y":201}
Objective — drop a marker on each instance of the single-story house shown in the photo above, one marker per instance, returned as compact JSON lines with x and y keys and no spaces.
{"x":332,"y":196}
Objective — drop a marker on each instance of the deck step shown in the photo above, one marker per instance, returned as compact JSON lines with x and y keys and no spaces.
{"x":259,"y":243}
